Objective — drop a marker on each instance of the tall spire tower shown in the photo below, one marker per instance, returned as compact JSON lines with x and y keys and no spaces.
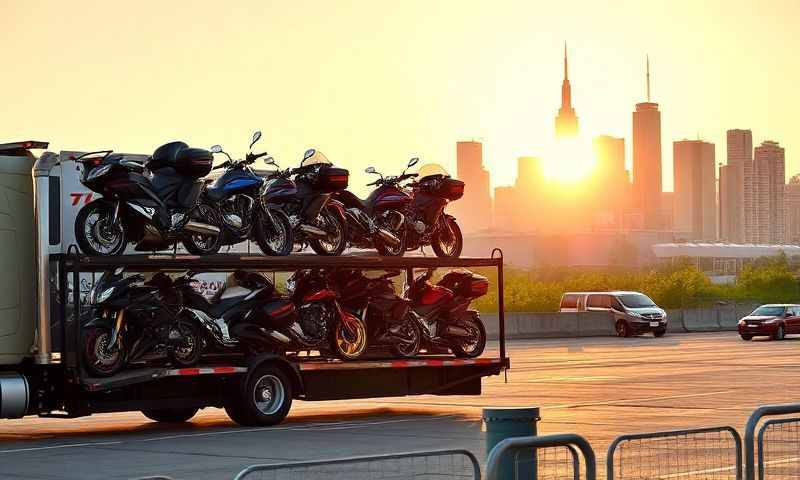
{"x":566,"y":121}
{"x":647,"y":185}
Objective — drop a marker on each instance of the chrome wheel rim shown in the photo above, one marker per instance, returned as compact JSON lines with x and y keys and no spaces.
{"x":206,"y":242}
{"x":334,"y":236}
{"x":470,"y":345}
{"x":101,"y":234}
{"x":447,"y":240}
{"x":277,"y":238}
{"x":104,"y":359}
{"x":269,"y":394}
{"x":187,"y":347}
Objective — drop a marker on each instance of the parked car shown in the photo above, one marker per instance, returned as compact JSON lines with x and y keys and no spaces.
{"x":634,"y":312}
{"x":773,"y":320}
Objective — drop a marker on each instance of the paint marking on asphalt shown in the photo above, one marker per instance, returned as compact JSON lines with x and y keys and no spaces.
{"x":53,"y":447}
{"x":647,"y":399}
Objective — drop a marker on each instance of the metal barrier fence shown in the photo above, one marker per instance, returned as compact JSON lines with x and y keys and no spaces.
{"x":706,"y":453}
{"x":779,"y":449}
{"x":549,"y":457}
{"x":440,"y":464}
{"x":778,"y":444}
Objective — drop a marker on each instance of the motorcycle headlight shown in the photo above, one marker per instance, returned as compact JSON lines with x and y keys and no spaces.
{"x":98,"y":172}
{"x":97,"y":296}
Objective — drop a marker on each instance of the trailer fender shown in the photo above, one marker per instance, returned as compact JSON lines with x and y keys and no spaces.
{"x":291,"y":372}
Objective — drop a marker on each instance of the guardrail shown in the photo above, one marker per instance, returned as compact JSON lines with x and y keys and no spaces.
{"x":460,"y":464}
{"x":701,"y":453}
{"x":788,"y":466}
{"x":545,"y":461}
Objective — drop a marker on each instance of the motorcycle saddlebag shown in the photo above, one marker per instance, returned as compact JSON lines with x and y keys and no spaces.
{"x":332,"y":179}
{"x":276,"y":313}
{"x":450,"y":188}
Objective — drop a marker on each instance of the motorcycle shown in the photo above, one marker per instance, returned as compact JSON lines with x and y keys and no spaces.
{"x":426,"y":222}
{"x":129,"y":322}
{"x":245,"y":312}
{"x":387,"y":315}
{"x":236,"y":197}
{"x":316,"y":219}
{"x":249,"y":313}
{"x":153,"y":212}
{"x":378,"y":221}
{"x":322,"y":322}
{"x":442,"y":311}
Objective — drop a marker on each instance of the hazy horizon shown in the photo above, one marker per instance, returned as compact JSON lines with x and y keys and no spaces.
{"x":375,"y":83}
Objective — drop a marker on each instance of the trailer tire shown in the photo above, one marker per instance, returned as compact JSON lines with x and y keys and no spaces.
{"x":263,"y":400}
{"x":170,"y":415}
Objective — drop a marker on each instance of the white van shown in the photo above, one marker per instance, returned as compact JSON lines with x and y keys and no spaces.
{"x":634,"y":312}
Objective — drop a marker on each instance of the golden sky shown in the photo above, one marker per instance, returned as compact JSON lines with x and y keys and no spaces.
{"x":376,"y":82}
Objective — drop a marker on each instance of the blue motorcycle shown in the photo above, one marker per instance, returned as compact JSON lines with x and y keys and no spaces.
{"x":236,"y":197}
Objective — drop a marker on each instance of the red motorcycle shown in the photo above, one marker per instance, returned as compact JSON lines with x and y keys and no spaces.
{"x":443,"y":314}
{"x":322,"y":323}
{"x":388,"y":315}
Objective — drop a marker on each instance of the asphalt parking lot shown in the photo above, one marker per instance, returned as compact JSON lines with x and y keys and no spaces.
{"x":597,"y":387}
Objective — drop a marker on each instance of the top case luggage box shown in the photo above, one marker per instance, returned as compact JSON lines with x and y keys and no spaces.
{"x":191,"y":162}
{"x":332,"y":179}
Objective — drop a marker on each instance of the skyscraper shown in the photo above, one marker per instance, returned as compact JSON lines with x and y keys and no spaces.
{"x":792,"y":207}
{"x":737,"y":221}
{"x":695,"y":184}
{"x":611,"y":185}
{"x":647,"y":160}
{"x":769,"y":167}
{"x":474,"y":210}
{"x":566,"y":121}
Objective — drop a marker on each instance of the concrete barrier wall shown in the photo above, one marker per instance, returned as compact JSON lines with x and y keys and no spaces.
{"x":593,"y":324}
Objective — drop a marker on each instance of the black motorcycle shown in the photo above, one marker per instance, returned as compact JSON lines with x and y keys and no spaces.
{"x":130,"y":321}
{"x":246,"y":311}
{"x":153,"y":212}
{"x":443,"y":314}
{"x":387,"y":315}
{"x":236,"y":195}
{"x":379,"y":221}
{"x":317,"y":219}
{"x":426,"y":221}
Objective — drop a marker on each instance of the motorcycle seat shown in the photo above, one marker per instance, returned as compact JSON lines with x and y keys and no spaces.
{"x":349,"y":200}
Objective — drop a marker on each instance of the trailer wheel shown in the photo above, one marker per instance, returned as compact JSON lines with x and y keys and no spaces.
{"x":170,"y":415}
{"x":265,"y":400}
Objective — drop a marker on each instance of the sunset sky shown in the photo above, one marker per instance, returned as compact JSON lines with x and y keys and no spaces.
{"x":376,"y":82}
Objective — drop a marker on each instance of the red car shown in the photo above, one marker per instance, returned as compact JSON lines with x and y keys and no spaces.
{"x":774,"y":320}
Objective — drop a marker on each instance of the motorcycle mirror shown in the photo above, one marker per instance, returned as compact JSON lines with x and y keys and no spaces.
{"x":270,"y":161}
{"x":413,"y":162}
{"x":309,"y":153}
{"x":215,"y":149}
{"x":256,"y":137}
{"x":369,"y":170}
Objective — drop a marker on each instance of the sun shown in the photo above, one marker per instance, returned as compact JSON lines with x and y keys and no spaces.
{"x":568,"y":160}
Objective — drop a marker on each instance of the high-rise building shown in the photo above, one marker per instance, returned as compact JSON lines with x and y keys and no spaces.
{"x":530,"y":176}
{"x":647,"y":160}
{"x":791,"y":203}
{"x":610,"y":183}
{"x":695,"y":184}
{"x":506,"y":209}
{"x":474,"y":209}
{"x":566,"y":121}
{"x":737,"y":220}
{"x":769,"y":167}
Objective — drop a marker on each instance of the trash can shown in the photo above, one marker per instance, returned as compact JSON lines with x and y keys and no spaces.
{"x":507,"y":422}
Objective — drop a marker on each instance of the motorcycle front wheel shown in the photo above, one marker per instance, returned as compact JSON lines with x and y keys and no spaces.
{"x":199,"y":244}
{"x":448,"y":241}
{"x":96,"y":234}
{"x":472,"y":346}
{"x":349,"y":344}
{"x":336,"y":240}
{"x":274,"y":238}
{"x":188,"y":348}
{"x":100,"y":358}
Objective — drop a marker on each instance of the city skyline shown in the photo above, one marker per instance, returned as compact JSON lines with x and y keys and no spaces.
{"x":436,"y":74}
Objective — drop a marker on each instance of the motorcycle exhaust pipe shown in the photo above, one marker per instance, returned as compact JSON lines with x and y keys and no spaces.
{"x":279,"y":337}
{"x":203,"y":228}
{"x":388,"y":237}
{"x":312,"y":230}
{"x":454,"y":331}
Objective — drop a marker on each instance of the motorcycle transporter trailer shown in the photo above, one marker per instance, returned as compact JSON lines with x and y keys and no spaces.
{"x":41,"y":371}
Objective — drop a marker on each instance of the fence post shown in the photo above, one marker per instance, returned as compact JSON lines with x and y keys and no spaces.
{"x":503,"y":423}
